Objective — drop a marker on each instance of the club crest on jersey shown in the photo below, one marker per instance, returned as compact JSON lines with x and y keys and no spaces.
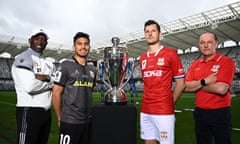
{"x":57,"y":76}
{"x":163,"y":135}
{"x":160,"y":61}
{"x":76,"y":72}
{"x":144,"y":62}
{"x":215,"y":68}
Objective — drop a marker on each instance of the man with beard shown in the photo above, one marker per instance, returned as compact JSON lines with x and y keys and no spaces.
{"x":159,"y":66}
{"x":72,"y":94}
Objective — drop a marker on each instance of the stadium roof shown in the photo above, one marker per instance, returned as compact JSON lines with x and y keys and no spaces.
{"x":180,"y":34}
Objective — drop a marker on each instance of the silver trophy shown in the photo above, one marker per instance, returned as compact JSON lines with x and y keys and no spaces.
{"x":114,"y":75}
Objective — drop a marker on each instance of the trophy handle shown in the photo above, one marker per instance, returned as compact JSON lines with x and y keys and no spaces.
{"x":106,"y":81}
{"x":130,"y":71}
{"x":124,"y":67}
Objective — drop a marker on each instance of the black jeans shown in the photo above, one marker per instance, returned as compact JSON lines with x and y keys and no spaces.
{"x":213,"y":125}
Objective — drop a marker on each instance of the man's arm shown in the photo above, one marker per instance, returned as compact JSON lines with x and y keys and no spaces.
{"x":56,"y":98}
{"x":28,"y":82}
{"x":43,"y":77}
{"x":219,"y":88}
{"x":193,"y":86}
{"x":210,"y":85}
{"x":180,"y":85}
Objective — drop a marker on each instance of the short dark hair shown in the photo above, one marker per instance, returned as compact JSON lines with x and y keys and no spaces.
{"x":79,"y":35}
{"x":150,"y":22}
{"x":215,"y":37}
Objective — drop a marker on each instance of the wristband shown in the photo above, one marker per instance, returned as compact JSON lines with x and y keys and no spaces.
{"x":203,"y":83}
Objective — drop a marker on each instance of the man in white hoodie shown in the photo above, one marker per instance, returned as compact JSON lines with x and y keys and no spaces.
{"x":32,"y":78}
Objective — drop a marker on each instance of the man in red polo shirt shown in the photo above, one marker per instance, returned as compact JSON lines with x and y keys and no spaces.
{"x":210,"y":77}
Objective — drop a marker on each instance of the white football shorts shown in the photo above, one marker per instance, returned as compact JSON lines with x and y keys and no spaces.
{"x":157,"y":127}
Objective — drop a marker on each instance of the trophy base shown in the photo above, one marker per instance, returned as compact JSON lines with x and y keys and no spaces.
{"x":115,"y":103}
{"x":115,"y":97}
{"x":115,"y":100}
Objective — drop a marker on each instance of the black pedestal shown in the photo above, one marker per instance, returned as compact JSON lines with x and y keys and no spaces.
{"x":114,"y":124}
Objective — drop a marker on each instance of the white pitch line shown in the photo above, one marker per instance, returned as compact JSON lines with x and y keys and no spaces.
{"x":6,"y":103}
{"x":236,"y":129}
{"x":177,"y":110}
{"x":189,"y":109}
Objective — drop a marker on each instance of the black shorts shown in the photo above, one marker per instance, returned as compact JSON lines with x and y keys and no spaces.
{"x":75,"y":133}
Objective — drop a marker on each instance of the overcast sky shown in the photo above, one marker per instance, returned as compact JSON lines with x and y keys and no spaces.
{"x":102,"y":19}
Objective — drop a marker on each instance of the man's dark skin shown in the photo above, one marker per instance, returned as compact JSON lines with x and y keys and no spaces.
{"x":38,"y":43}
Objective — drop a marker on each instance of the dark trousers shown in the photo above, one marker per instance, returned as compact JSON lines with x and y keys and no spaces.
{"x":33,"y":125}
{"x":213,"y":126}
{"x":75,"y":133}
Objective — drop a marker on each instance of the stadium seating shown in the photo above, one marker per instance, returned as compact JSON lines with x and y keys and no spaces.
{"x":6,"y":82}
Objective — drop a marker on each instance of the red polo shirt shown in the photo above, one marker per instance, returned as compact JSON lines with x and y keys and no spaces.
{"x":200,"y":69}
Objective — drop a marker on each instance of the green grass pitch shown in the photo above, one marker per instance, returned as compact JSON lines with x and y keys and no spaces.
{"x":184,"y":133}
